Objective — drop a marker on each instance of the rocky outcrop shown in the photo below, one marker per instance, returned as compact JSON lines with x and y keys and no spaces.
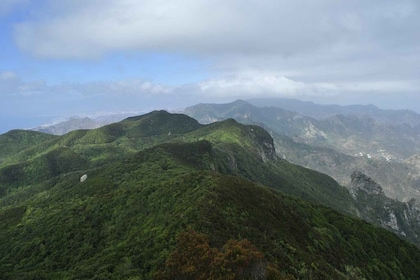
{"x":361,"y":182}
{"x":402,"y":218}
{"x":264,"y":142}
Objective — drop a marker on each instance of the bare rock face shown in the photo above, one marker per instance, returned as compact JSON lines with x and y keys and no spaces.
{"x":265,"y":143}
{"x":402,"y":218}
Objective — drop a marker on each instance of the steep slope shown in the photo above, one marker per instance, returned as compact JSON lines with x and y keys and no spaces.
{"x":399,"y":179}
{"x":122,"y":223}
{"x":402,"y":218}
{"x":248,"y":151}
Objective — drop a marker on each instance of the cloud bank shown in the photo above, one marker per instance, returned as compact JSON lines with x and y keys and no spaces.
{"x":91,"y":28}
{"x":320,"y":41}
{"x":337,"y":50}
{"x":131,"y":93}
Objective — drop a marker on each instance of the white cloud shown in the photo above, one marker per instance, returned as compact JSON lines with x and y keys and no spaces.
{"x":241,"y":85}
{"x":265,"y":84}
{"x":389,"y":87}
{"x":246,"y":85}
{"x":256,"y":48}
{"x":314,"y":47}
{"x":259,"y":84}
{"x":91,"y":28}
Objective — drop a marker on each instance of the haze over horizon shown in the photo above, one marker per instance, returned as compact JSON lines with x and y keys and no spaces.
{"x":78,"y":58}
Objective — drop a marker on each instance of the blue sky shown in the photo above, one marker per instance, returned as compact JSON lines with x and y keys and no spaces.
{"x":79,"y":58}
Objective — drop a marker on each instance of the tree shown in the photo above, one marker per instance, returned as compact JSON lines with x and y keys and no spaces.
{"x":194,"y":258}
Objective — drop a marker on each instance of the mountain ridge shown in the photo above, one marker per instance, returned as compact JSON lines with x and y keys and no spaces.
{"x":319,"y":111}
{"x":143,"y":186}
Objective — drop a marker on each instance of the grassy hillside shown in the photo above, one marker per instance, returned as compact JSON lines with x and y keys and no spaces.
{"x":15,"y":141}
{"x":101,"y":145}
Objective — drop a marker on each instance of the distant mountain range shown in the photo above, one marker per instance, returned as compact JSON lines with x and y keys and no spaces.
{"x":336,"y":145}
{"x":161,"y":196}
{"x":349,"y":134}
{"x":304,"y":108}
{"x":317,"y":111}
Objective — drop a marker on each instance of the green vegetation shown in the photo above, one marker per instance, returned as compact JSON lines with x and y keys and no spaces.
{"x":199,"y":192}
{"x":15,"y":141}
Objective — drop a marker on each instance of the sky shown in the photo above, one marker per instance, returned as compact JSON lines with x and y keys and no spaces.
{"x":61,"y":58}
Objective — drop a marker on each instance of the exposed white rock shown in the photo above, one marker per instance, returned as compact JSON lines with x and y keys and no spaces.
{"x":392,"y":223}
{"x":83,"y":178}
{"x":312,"y":132}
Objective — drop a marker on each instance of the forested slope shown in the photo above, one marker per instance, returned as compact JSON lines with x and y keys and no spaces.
{"x":215,"y":195}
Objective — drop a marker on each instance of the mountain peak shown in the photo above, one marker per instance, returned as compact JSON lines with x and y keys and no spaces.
{"x":156,"y":113}
{"x":240,"y":102}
